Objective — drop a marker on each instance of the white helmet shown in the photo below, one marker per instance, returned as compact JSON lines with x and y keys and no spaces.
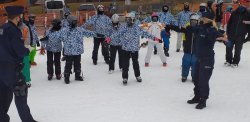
{"x":131,"y":15}
{"x":203,"y":4}
{"x":115,"y":18}
{"x":195,"y":17}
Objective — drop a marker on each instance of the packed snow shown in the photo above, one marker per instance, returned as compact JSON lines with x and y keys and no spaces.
{"x":161,"y":97}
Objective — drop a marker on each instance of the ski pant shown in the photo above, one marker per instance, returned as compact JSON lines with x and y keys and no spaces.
{"x":159,"y":49}
{"x":188,"y":61}
{"x":179,"y":41}
{"x":237,"y":45}
{"x":113,"y":51}
{"x":203,"y":73}
{"x":26,"y":68}
{"x":105,"y":49}
{"x":32,"y":55}
{"x":126,"y":60}
{"x":53,"y":58}
{"x":76,"y":60}
{"x":6,"y":95}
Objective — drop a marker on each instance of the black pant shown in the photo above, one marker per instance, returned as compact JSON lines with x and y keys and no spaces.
{"x":126,"y":60}
{"x":53,"y":58}
{"x":6,"y":96}
{"x":203,"y":72}
{"x":76,"y":60}
{"x":113,"y":50}
{"x":105,"y":49}
{"x":237,"y":45}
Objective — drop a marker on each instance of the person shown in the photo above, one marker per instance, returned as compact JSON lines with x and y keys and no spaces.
{"x":226,"y":16}
{"x":26,"y":60}
{"x":130,"y":36}
{"x":182,"y":18}
{"x":209,"y":9}
{"x":72,"y":38}
{"x":115,"y":43}
{"x":206,"y":35}
{"x":100,"y":23}
{"x":165,"y":36}
{"x":248,"y":25}
{"x":189,"y":58}
{"x":11,"y":66}
{"x":155,"y":28}
{"x":65,"y":24}
{"x":219,"y":13}
{"x":35,"y":39}
{"x":236,"y":31}
{"x":53,"y":45}
{"x":202,"y":9}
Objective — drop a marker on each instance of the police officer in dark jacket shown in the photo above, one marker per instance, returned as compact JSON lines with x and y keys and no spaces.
{"x":12,"y":52}
{"x":236,"y":32}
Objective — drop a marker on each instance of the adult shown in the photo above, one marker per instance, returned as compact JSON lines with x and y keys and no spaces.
{"x":12,"y":51}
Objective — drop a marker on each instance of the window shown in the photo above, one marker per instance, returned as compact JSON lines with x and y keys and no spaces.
{"x":87,"y":8}
{"x":6,"y":1}
{"x":55,"y":5}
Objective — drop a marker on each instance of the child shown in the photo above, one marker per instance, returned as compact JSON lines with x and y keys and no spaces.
{"x":130,"y":35}
{"x":155,"y":29}
{"x":115,"y":44}
{"x":73,"y":47}
{"x":165,"y":36}
{"x":53,"y":45}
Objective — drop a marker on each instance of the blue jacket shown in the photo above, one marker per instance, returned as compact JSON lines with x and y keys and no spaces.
{"x":73,"y":40}
{"x":35,"y":37}
{"x":54,"y":43}
{"x":114,"y":35}
{"x":166,"y":18}
{"x":183,"y":18}
{"x":100,"y":24}
{"x":131,"y":37}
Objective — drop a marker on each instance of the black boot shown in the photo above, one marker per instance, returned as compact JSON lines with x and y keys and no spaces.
{"x":66,"y":78}
{"x":125,"y":81}
{"x":201,"y":104}
{"x":193,"y":100}
{"x":166,"y":52}
{"x":95,"y":62}
{"x":78,"y":76}
{"x":50,"y":77}
{"x":58,"y":77}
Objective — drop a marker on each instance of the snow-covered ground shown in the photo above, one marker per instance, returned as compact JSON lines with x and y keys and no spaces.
{"x":161,"y":97}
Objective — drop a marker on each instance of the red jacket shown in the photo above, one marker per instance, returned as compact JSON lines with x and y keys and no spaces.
{"x":226,"y":16}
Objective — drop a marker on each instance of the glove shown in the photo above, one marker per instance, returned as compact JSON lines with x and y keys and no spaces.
{"x":42,"y":51}
{"x":38,"y":44}
{"x":44,"y":39}
{"x":107,"y":40}
{"x":157,"y":40}
{"x":20,"y":88}
{"x":29,"y":47}
{"x":28,"y":84}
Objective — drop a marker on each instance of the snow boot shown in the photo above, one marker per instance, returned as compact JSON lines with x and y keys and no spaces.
{"x":94,"y":62}
{"x":66,"y":78}
{"x":78,"y":76}
{"x":50,"y":77}
{"x":58,"y":77}
{"x":201,"y":104}
{"x":139,"y":79}
{"x":184,"y":79}
{"x":125,"y":81}
{"x":193,"y":100}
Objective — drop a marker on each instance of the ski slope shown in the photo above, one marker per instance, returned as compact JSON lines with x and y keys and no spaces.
{"x":161,"y":97}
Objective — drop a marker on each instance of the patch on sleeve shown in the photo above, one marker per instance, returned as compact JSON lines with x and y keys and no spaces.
{"x":1,"y":31}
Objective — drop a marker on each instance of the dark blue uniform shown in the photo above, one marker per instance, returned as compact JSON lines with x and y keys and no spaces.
{"x":205,"y":37}
{"x":12,"y":52}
